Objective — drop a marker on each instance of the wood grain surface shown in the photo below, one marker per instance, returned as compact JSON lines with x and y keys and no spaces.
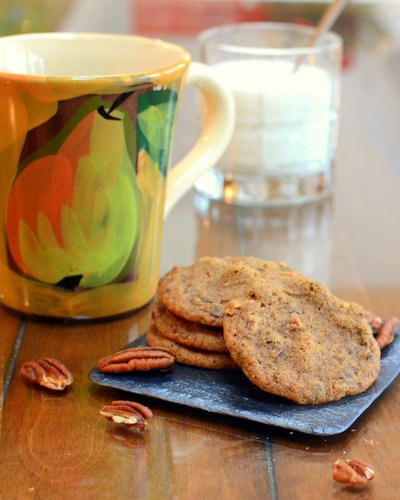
{"x":59,"y":446}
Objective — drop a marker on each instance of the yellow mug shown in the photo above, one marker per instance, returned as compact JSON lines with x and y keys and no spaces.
{"x":85,"y":138}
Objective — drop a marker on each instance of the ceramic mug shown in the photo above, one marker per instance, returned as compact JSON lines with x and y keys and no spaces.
{"x":87,"y":122}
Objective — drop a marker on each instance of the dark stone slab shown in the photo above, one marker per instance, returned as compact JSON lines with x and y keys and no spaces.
{"x":228,"y":392}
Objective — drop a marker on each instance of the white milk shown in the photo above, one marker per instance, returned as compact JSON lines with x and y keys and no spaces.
{"x":283,"y":118}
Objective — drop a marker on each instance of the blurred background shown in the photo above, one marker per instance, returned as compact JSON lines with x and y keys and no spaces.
{"x":372,"y":25}
{"x":370,"y":109}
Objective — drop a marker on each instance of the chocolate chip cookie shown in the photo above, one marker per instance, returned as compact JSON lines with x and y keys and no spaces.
{"x":295,"y":339}
{"x":187,"y":332}
{"x":188,"y":355}
{"x":200,"y":292}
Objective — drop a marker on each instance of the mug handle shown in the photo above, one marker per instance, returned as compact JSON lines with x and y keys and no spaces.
{"x":214,"y":137}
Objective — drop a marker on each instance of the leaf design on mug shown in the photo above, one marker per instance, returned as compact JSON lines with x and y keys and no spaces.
{"x":156,"y":114}
{"x":151,"y":183}
{"x":76,"y":213}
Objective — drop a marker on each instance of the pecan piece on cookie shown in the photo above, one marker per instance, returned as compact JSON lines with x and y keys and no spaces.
{"x":128,"y":413}
{"x":374,"y":321}
{"x":47,"y":372}
{"x":137,"y":359}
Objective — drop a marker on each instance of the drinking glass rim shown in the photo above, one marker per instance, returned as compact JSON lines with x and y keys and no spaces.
{"x":331,"y":40}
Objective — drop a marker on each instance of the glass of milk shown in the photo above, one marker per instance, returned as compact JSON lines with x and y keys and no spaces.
{"x":287,"y":101}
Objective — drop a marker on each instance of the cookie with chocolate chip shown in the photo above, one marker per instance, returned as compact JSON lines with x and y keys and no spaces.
{"x":200,"y":292}
{"x":189,"y":355}
{"x":295,"y":339}
{"x":187,"y":332}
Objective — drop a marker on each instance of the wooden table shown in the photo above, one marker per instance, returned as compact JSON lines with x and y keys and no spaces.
{"x":58,"y":445}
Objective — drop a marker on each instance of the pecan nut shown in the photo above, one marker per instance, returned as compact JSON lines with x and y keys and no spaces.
{"x":294,"y":324}
{"x":374,"y":321}
{"x":128,"y":413}
{"x":47,"y":372}
{"x":137,"y":359}
{"x":387,"y":331}
{"x":352,"y":472}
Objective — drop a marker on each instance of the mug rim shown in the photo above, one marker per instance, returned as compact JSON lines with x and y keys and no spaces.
{"x":330,"y":41}
{"x":127,"y":77}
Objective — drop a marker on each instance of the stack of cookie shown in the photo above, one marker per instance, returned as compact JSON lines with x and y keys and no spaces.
{"x":188,"y":315}
{"x":288,"y":334}
{"x":193,"y":343}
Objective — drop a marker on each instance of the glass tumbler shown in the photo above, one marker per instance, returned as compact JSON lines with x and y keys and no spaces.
{"x":287,"y":103}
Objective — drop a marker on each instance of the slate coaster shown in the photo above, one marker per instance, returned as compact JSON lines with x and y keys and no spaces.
{"x":228,"y":392}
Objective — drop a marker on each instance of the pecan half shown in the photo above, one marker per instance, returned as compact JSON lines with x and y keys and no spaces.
{"x":47,"y":372}
{"x":137,"y":359}
{"x":374,"y":321}
{"x":128,"y":413}
{"x":352,"y":472}
{"x":294,"y":324}
{"x":387,"y":331}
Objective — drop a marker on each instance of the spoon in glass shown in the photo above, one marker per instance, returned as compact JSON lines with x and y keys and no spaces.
{"x":328,"y":19}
